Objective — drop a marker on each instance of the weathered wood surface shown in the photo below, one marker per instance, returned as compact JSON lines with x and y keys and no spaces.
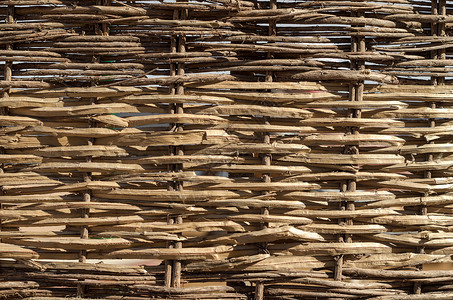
{"x":267,"y":149}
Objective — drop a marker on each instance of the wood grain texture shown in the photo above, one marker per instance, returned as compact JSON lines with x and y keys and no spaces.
{"x":226,"y":149}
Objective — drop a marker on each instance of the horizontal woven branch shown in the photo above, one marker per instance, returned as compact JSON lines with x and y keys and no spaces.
{"x":226,"y":149}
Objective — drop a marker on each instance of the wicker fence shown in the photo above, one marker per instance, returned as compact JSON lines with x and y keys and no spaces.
{"x":238,"y":149}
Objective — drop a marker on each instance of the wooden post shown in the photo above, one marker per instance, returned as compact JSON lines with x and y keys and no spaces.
{"x":103,"y":30}
{"x":438,"y":7}
{"x":171,"y":151}
{"x":173,"y":268}
{"x":266,"y":158}
{"x":7,"y":74}
{"x":355,"y":95}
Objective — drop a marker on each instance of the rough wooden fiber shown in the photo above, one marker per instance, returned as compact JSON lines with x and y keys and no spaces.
{"x":226,"y":149}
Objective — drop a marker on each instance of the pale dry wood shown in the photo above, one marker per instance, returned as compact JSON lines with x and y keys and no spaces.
{"x":443,"y":251}
{"x":160,"y":98}
{"x":137,"y":137}
{"x":346,"y":122}
{"x":345,"y":159}
{"x":404,"y":239}
{"x":419,"y":18}
{"x":251,"y":202}
{"x":168,"y":80}
{"x":417,"y":240}
{"x":12,"y":26}
{"x":77,"y":110}
{"x":402,"y":96}
{"x":20,"y":159}
{"x":205,"y":226}
{"x":284,"y":219}
{"x":69,"y":73}
{"x":61,"y":188}
{"x":82,"y":267}
{"x":15,"y":284}
{"x":174,"y":118}
{"x":238,"y":109}
{"x":429,"y":133}
{"x":421,"y":166}
{"x":413,"y":201}
{"x":189,"y":159}
{"x":257,"y":168}
{"x":396,"y":260}
{"x":76,"y":132}
{"x":359,"y":176}
{"x":418,"y":149}
{"x":18,"y":141}
{"x":345,"y":75}
{"x":193,"y":291}
{"x":28,"y":36}
{"x":23,"y":214}
{"x":75,"y":151}
{"x":304,"y":294}
{"x":341,"y":196}
{"x":88,"y":167}
{"x":160,"y":195}
{"x":19,"y":102}
{"x":80,"y":221}
{"x":223,"y":264}
{"x":118,"y":10}
{"x":173,"y":176}
{"x":405,"y":185}
{"x":353,"y":139}
{"x":195,"y":23}
{"x":112,"y":120}
{"x":276,"y":48}
{"x":309,"y":86}
{"x":271,"y":234}
{"x":149,"y":236}
{"x":415,"y":113}
{"x":339,"y":248}
{"x":272,"y":186}
{"x":30,"y":59}
{"x":16,"y":252}
{"x":75,"y":243}
{"x":395,"y":273}
{"x":53,"y":197}
{"x":113,"y":91}
{"x":414,"y":220}
{"x":94,"y":205}
{"x":272,"y":97}
{"x":16,"y":120}
{"x":84,"y":66}
{"x":343,"y":229}
{"x":339,"y":284}
{"x":253,"y":127}
{"x":414,"y":90}
{"x":173,"y":253}
{"x":236,"y":148}
{"x":362,"y":213}
{"x":362,"y":104}
{"x":287,"y":264}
